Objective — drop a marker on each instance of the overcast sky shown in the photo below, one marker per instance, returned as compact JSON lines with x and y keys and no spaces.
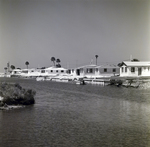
{"x":73,"y":31}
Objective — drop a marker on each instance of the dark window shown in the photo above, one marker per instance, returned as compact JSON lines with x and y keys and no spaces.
{"x":105,"y":69}
{"x":132,"y":69}
{"x":91,"y":70}
{"x":51,"y":70}
{"x":96,"y":69}
{"x":62,"y":70}
{"x":25,"y":71}
{"x":68,"y":71}
{"x":56,"y":70}
{"x":122,"y":69}
{"x":42,"y":71}
{"x":114,"y":70}
{"x":125,"y":69}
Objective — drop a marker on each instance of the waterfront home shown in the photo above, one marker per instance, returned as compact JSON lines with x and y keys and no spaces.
{"x":28,"y":73}
{"x":16,"y":73}
{"x":53,"y":71}
{"x":2,"y":75}
{"x":108,"y":70}
{"x":135,"y":69}
{"x":33,"y":72}
{"x":94,"y":71}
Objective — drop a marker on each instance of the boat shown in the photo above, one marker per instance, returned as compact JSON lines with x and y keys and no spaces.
{"x":80,"y":81}
{"x":40,"y":78}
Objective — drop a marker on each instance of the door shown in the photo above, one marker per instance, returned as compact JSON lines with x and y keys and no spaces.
{"x":139,"y":71}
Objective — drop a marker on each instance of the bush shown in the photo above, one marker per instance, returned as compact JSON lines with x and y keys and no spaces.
{"x":14,"y":94}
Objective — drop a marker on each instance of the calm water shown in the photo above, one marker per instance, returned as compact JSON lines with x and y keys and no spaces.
{"x":69,"y":115}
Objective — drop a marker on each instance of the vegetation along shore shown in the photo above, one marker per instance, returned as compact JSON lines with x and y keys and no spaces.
{"x":12,"y":95}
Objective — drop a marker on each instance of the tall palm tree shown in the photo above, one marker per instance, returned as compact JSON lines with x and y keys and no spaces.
{"x":5,"y":68}
{"x":96,"y":56}
{"x":53,"y":60}
{"x":27,"y":63}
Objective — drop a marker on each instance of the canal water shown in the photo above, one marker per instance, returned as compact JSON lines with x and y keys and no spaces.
{"x":70,"y":115}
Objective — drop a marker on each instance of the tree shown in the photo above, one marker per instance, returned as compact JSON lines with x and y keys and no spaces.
{"x":12,"y":67}
{"x":27,"y":63}
{"x":5,"y":68}
{"x":53,"y":60}
{"x":135,"y":60}
{"x":120,"y":64}
{"x":58,"y":63}
{"x":96,"y":56}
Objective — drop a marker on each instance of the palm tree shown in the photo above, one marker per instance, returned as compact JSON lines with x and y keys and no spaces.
{"x":58,"y":62}
{"x":27,"y":63}
{"x":53,"y":60}
{"x":12,"y":67}
{"x":96,"y":56}
{"x":5,"y":68}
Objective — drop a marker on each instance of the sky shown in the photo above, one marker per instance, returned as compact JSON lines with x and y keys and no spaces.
{"x":73,"y":31}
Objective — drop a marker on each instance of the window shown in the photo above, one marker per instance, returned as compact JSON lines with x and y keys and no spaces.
{"x":105,"y":69}
{"x":122,"y":69}
{"x":114,"y":70}
{"x":62,"y":70}
{"x":56,"y":70}
{"x":125,"y":69}
{"x":96,"y":69}
{"x":42,"y":71}
{"x":25,"y":71}
{"x":132,"y":69}
{"x":89,"y":70}
{"x":51,"y":70}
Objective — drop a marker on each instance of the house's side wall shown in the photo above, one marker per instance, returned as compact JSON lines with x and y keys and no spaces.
{"x":126,"y":72}
{"x":145,"y":71}
{"x":133,"y":74}
{"x":109,"y":71}
{"x":87,"y":71}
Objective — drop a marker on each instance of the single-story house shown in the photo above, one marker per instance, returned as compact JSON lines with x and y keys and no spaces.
{"x":50,"y":71}
{"x":135,"y":69}
{"x":95,"y":71}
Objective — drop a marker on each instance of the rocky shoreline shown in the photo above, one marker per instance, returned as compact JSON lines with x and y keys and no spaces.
{"x":12,"y":96}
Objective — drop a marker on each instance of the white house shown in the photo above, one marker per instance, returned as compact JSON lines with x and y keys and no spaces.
{"x":33,"y":72}
{"x":52,"y":71}
{"x":135,"y":68}
{"x":95,"y":71}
